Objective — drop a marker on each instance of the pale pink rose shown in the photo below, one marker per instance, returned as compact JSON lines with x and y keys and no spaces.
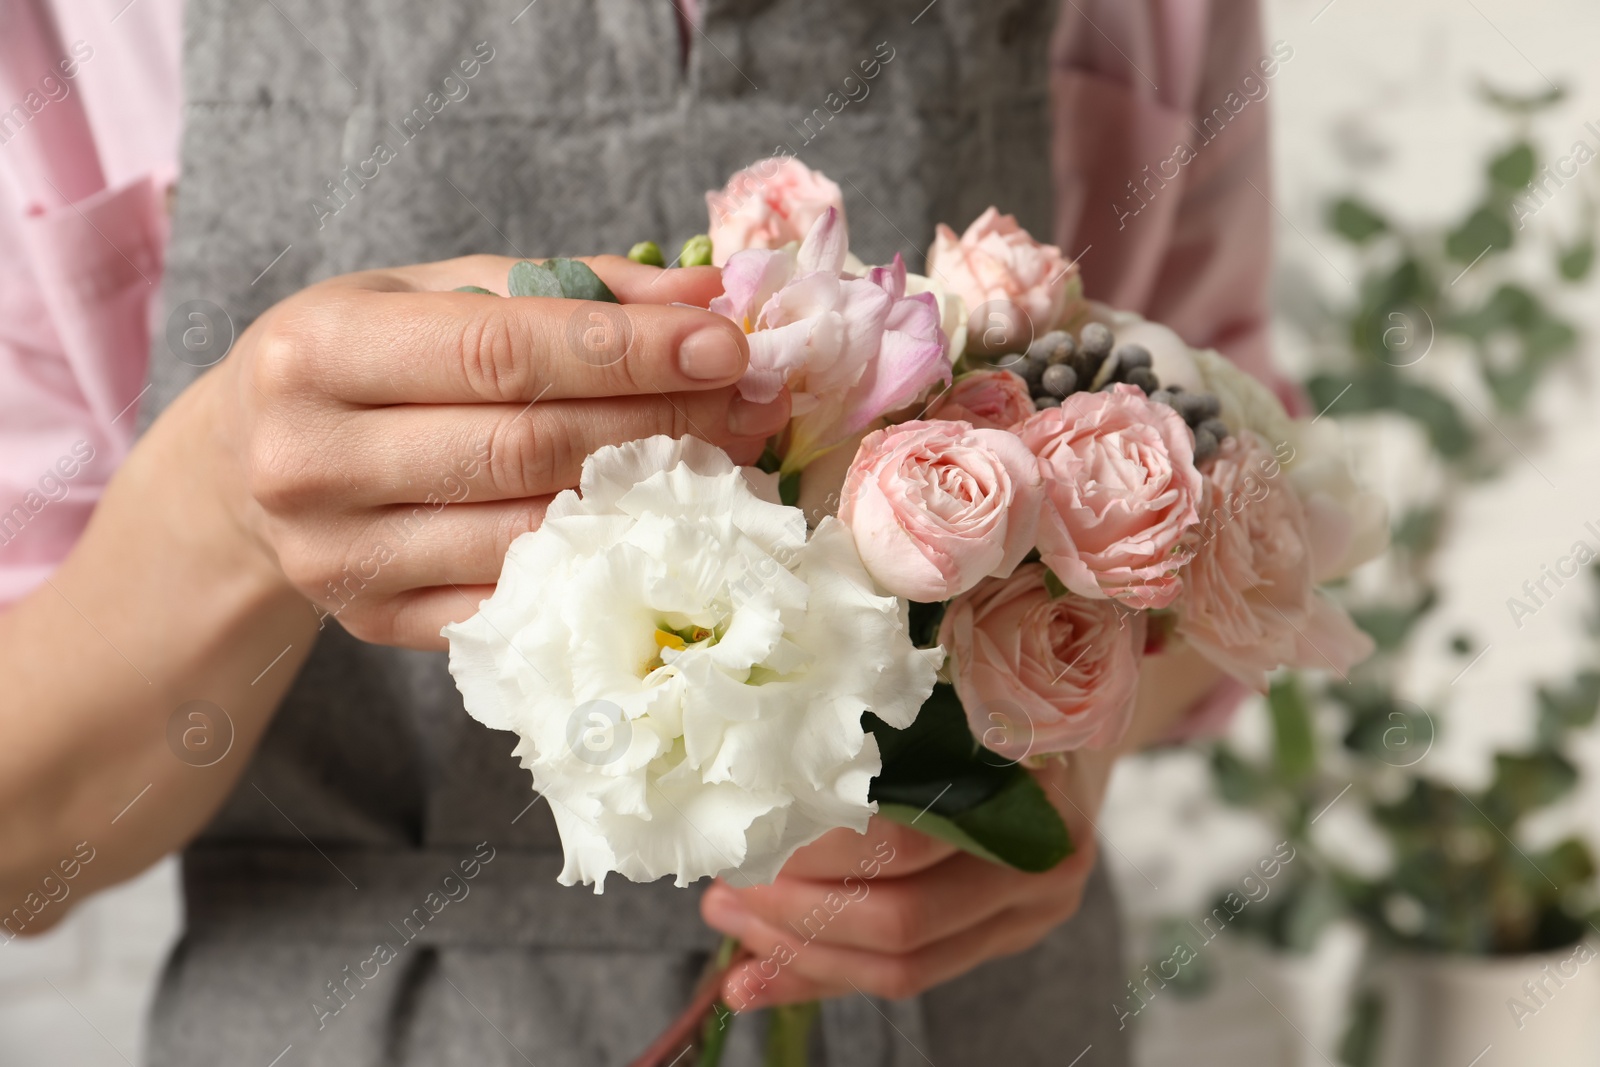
{"x":1122,"y":484}
{"x":935,"y":507}
{"x":1039,"y":674}
{"x":989,"y":399}
{"x":768,"y":205}
{"x":848,"y":349}
{"x":1250,"y":603}
{"x":997,"y":262}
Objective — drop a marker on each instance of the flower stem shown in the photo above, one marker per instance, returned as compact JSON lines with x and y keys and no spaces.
{"x":706,"y":1014}
{"x":789,"y":1034}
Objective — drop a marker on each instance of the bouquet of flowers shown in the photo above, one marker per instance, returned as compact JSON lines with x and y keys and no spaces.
{"x":993,"y":499}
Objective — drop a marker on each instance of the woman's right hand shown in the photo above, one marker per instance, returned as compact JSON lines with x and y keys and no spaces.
{"x":392,"y":437}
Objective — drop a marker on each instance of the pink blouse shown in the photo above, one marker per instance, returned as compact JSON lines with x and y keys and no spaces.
{"x":1160,"y":157}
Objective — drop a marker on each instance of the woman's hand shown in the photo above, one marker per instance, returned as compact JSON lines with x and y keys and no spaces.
{"x":374,"y":443}
{"x":895,"y":912}
{"x":392,"y":437}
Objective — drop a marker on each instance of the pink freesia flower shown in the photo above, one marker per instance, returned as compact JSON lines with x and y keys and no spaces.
{"x":767,"y":205}
{"x":935,"y":507}
{"x":1039,"y":674}
{"x":1249,"y":602}
{"x":998,"y":263}
{"x":848,"y":349}
{"x":1120,"y":474}
{"x":989,"y":399}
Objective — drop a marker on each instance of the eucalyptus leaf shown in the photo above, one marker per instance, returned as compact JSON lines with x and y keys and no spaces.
{"x":1513,"y":169}
{"x":1485,"y":230}
{"x":1355,"y":221}
{"x":1576,"y":262}
{"x":475,"y":289}
{"x":531,"y":279}
{"x":578,"y":282}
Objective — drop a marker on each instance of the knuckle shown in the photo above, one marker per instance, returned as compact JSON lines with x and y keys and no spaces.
{"x":275,"y":475}
{"x":522,"y":460}
{"x":489,"y":358}
{"x":902,"y":922}
{"x":517,"y":521}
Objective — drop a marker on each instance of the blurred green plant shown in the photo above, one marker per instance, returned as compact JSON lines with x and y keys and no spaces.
{"x":1461,"y":879}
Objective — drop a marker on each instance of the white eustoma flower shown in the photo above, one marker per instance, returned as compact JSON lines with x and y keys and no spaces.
{"x":686,"y":671}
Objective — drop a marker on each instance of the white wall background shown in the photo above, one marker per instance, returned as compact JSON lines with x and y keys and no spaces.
{"x":1401,"y":73}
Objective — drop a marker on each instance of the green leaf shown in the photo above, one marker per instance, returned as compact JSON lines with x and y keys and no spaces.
{"x":648,"y":253}
{"x":1053,"y":585}
{"x":1237,"y":781}
{"x":1308,"y":910}
{"x":1521,"y":104}
{"x":935,"y":761}
{"x":1294,"y":744}
{"x":1355,"y":221}
{"x":1524,"y":782}
{"x":578,"y":282}
{"x":1576,"y":262}
{"x":935,"y":776}
{"x":789,"y":488}
{"x":530,"y":279}
{"x":1573,"y":707}
{"x":1418,"y":530}
{"x":1390,"y":625}
{"x":475,"y":289}
{"x":1383,"y":389}
{"x":1513,"y":169}
{"x":1017,"y":827}
{"x":696,"y":252}
{"x":1485,"y":230}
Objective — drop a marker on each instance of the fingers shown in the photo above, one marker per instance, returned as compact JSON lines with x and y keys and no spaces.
{"x":787,"y":968}
{"x":378,"y":348}
{"x":894,"y":850}
{"x":633,"y":283}
{"x":481,"y":452}
{"x":411,"y":619}
{"x":884,"y":914}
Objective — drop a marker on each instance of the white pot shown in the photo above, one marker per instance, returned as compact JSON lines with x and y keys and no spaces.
{"x":1465,"y":1011}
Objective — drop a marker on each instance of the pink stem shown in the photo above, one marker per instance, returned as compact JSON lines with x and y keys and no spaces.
{"x":686,"y":1027}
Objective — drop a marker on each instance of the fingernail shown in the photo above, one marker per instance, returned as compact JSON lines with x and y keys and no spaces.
{"x":711,"y":354}
{"x":748,"y":419}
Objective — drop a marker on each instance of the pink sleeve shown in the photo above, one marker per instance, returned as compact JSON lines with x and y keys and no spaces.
{"x":1161,"y":162}
{"x":1162,"y":165}
{"x":80,"y":266}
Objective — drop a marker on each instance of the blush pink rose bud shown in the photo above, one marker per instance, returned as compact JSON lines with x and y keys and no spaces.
{"x":989,"y":399}
{"x":1039,"y":674}
{"x":1122,"y":486}
{"x":1015,"y":287}
{"x":1250,"y":603}
{"x":767,"y":205}
{"x":935,"y":507}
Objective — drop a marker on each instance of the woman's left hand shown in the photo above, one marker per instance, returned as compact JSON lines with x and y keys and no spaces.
{"x":893,"y":912}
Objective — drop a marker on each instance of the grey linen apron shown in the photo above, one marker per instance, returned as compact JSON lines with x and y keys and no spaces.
{"x":379,"y":889}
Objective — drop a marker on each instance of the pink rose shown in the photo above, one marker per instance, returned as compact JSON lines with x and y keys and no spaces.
{"x":768,"y":205}
{"x":998,"y":261}
{"x":937,"y":506}
{"x":848,"y":349}
{"x":1250,"y":603}
{"x":1040,"y":674}
{"x":1120,"y":474}
{"x":989,"y":399}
